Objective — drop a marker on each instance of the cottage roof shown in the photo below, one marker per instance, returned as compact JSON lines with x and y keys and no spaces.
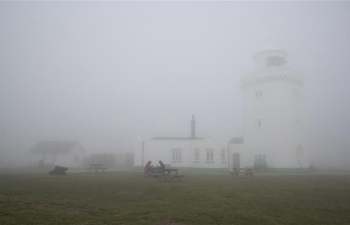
{"x":236,"y":140}
{"x":54,"y":147}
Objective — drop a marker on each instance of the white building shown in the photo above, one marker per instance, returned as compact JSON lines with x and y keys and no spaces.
{"x":274,"y":113}
{"x":62,"y":153}
{"x":273,"y":123}
{"x":184,"y":152}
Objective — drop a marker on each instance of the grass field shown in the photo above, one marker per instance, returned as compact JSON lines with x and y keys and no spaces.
{"x":131,"y":198}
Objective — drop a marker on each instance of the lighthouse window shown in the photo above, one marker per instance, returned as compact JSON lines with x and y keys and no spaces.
{"x":276,"y":61}
{"x":296,"y":94}
{"x":258,"y":123}
{"x":258,"y":94}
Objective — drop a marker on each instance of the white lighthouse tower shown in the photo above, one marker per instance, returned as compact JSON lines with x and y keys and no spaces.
{"x":274,"y":113}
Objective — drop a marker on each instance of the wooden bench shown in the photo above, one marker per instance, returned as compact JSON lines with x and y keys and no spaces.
{"x":234,"y":172}
{"x":159,"y":175}
{"x":152,"y":171}
{"x":179,"y":177}
{"x":166,"y":174}
{"x":248,"y":172}
{"x":96,"y":167}
{"x":169,"y":174}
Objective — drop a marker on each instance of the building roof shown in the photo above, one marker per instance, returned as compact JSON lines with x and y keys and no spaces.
{"x":236,"y":140}
{"x":270,"y":49}
{"x":176,"y":138}
{"x":53,"y":147}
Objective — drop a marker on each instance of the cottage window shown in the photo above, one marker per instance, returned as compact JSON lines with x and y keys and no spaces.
{"x":223,"y":155}
{"x":196,"y":155}
{"x":176,"y":154}
{"x":210,"y":155}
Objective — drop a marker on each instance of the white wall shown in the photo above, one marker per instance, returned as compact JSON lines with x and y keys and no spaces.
{"x":155,"y":150}
{"x":278,"y":109}
{"x":68,"y":160}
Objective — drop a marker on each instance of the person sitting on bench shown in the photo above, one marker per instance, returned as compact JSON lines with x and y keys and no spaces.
{"x":148,"y":167}
{"x":161,"y":167}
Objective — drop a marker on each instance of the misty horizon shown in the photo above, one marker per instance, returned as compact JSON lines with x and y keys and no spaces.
{"x":107,"y":73}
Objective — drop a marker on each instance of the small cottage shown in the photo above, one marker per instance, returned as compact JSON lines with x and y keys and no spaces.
{"x":183,"y":152}
{"x":63,"y":153}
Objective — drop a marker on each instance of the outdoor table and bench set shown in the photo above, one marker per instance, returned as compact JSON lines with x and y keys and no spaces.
{"x":165,"y":174}
{"x":96,"y":167}
{"x":249,"y":172}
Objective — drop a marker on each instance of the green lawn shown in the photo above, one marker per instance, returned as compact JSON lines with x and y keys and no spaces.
{"x":131,"y":198}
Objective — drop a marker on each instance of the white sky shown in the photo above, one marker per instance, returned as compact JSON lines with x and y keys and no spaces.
{"x":105,"y":73}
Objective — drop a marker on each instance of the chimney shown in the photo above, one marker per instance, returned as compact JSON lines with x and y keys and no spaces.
{"x":193,"y":128}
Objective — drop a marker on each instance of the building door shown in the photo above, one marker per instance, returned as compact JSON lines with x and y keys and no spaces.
{"x":235,"y":161}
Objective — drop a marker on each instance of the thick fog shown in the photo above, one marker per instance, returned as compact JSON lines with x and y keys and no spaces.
{"x":107,"y":73}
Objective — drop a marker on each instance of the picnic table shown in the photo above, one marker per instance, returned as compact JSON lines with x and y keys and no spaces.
{"x":235,"y":171}
{"x":248,"y":172}
{"x":152,"y":170}
{"x":169,"y":173}
{"x":165,"y":174}
{"x":96,"y":167}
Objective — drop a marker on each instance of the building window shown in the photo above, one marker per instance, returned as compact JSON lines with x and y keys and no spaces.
{"x":54,"y":158}
{"x":76,"y":158}
{"x":196,"y":155}
{"x":258,"y":94}
{"x":176,"y":155}
{"x":210,"y":155}
{"x":296,"y":94}
{"x":223,"y":155}
{"x":276,"y":61}
{"x":258,"y":123}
